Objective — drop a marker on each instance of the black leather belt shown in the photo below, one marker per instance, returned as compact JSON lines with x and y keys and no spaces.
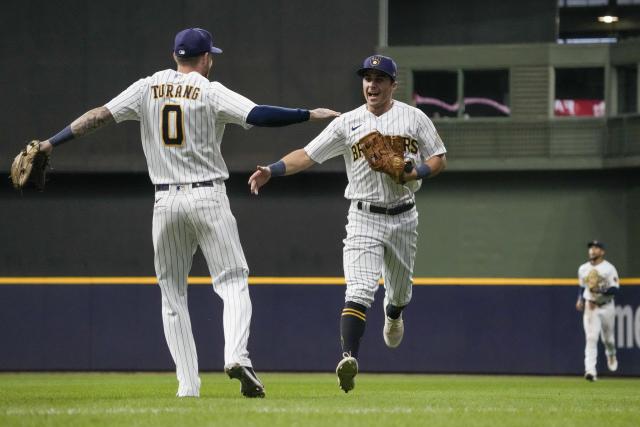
{"x":387,"y":211}
{"x":165,"y":187}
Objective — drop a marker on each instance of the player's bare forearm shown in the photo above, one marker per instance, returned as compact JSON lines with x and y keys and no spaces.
{"x":297,"y":161}
{"x":437,"y":164}
{"x":91,"y":121}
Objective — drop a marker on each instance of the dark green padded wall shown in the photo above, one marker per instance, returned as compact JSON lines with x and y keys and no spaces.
{"x":526,"y":224}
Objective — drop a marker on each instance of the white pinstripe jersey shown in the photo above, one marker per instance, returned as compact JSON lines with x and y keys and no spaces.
{"x":342,"y":135}
{"x":606,"y":276}
{"x":182,"y":120}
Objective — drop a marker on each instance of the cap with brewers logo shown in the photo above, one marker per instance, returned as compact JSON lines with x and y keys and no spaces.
{"x":596,"y":243}
{"x":380,"y":63}
{"x":194,"y":42}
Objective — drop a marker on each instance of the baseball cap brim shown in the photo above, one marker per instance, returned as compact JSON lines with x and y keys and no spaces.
{"x":361,"y":72}
{"x":215,"y":50}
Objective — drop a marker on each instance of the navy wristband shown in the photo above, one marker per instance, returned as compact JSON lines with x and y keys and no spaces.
{"x":278,"y":168}
{"x":63,"y":136}
{"x":423,"y":171}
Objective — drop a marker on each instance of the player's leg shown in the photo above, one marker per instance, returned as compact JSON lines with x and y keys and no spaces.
{"x":362,"y":262}
{"x":608,"y":319}
{"x":219,"y":240}
{"x":174,"y":245}
{"x":591,"y":323}
{"x":399,"y":259}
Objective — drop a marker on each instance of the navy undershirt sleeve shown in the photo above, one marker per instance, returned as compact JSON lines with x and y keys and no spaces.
{"x":611,"y":291}
{"x":271,"y":116}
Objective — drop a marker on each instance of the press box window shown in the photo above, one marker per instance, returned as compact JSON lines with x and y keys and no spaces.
{"x":436,"y":93}
{"x":486,"y":93}
{"x":627,"y":76}
{"x":579,"y":92}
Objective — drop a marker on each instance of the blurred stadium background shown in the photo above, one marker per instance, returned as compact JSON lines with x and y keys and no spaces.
{"x":536,"y":101}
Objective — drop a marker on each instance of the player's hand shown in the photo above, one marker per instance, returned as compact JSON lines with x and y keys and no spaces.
{"x":580,"y":305}
{"x":46,"y":146}
{"x":322,"y":113}
{"x":409,"y":173}
{"x":260,"y":177}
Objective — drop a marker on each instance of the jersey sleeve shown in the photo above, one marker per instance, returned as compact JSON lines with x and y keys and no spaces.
{"x":229,"y":106}
{"x":430,"y":142}
{"x":329,"y":143}
{"x":126,"y":106}
{"x":613,"y":279}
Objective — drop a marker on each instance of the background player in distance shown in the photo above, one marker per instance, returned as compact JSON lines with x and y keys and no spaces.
{"x":182,"y":119}
{"x":598,"y":286}
{"x":382,"y":222}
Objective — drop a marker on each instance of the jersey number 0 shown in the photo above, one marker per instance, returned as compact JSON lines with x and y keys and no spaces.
{"x":172,"y":125}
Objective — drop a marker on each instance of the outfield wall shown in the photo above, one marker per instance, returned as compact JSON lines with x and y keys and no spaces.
{"x":515,"y":329}
{"x":483,"y":225}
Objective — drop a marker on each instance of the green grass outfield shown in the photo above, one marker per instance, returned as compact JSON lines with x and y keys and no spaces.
{"x":147,"y":399}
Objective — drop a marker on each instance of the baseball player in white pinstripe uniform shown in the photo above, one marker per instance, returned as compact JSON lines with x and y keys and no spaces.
{"x":182,"y":119}
{"x":599,"y":285}
{"x":382,"y":222}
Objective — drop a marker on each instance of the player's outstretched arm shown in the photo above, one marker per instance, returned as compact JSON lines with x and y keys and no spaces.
{"x":273,"y":116}
{"x":290,"y":164}
{"x":89,"y":122}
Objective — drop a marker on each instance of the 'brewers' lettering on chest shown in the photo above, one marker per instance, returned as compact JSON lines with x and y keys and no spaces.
{"x":410,"y":146}
{"x":175,"y":91}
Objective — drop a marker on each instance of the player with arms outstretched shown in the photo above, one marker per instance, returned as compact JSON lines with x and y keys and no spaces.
{"x":182,"y":119}
{"x":382,"y":222}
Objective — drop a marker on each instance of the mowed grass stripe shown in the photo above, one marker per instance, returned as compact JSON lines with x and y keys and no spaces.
{"x":147,"y":399}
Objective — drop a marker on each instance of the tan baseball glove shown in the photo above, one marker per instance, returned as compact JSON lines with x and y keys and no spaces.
{"x":30,"y":166}
{"x":593,"y":281}
{"x":384,"y":154}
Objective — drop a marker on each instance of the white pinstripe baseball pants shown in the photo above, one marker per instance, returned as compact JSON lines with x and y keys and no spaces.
{"x":379,"y":245}
{"x":598,"y":322}
{"x":183,"y":219}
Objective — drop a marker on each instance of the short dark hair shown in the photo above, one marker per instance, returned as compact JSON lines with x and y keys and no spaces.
{"x":190,"y":60}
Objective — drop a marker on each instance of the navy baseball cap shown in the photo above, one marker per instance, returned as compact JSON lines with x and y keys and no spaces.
{"x":380,"y":63}
{"x":194,"y":42}
{"x":596,"y":243}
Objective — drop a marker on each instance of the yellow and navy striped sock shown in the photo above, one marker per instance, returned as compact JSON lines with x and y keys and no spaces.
{"x":352,"y":324}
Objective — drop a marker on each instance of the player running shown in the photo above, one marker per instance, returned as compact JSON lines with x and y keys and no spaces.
{"x":382,"y":222}
{"x":182,"y":119}
{"x":598,"y":286}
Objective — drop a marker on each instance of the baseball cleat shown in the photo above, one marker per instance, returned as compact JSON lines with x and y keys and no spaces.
{"x":346,"y":370}
{"x":612,"y":363}
{"x":393,"y":331}
{"x":590,"y":377}
{"x":250,"y":385}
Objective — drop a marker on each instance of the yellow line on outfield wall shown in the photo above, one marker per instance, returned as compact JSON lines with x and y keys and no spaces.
{"x":266,"y":280}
